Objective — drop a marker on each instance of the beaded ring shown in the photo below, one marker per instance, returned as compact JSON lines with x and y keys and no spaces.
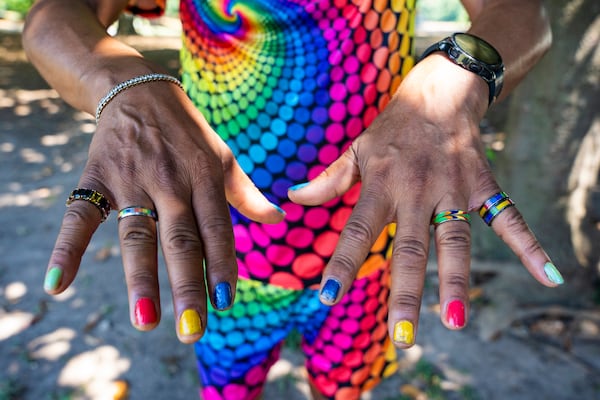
{"x":91,"y":196}
{"x":451,"y":215}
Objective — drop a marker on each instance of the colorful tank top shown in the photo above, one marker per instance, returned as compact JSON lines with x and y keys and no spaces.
{"x":288,"y":84}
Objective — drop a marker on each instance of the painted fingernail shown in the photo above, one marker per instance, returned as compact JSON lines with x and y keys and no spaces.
{"x":298,"y":186}
{"x":455,"y":314}
{"x":279,"y":209}
{"x":53,"y":278}
{"x":189,"y":323}
{"x":404,"y":332}
{"x":552,"y":273}
{"x":145,"y":312}
{"x":330,"y":290}
{"x":222,"y":295}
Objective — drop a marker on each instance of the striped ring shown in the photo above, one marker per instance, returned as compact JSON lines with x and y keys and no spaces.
{"x":494,"y":206}
{"x":451,"y":215}
{"x":137,"y":211}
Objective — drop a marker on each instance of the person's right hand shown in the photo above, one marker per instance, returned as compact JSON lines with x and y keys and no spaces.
{"x":153,"y":149}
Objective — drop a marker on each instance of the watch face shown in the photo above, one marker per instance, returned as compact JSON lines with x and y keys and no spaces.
{"x":477,"y":48}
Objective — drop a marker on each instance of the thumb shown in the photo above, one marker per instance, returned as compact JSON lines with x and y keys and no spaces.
{"x":334,"y":181}
{"x":243,"y":195}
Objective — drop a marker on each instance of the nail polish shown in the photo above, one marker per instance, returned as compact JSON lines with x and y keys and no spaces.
{"x":279,"y":209}
{"x":222,"y":295}
{"x":552,"y":273}
{"x":53,"y":278}
{"x":330,"y":290}
{"x":189,"y":323}
{"x":298,"y":186}
{"x":404,"y":332}
{"x":455,"y":314}
{"x":145,"y":312}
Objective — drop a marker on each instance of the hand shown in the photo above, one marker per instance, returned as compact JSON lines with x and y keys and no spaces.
{"x":161,"y":154}
{"x":420,"y":156}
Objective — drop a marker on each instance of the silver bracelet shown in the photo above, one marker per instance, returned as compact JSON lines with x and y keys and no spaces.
{"x":130,"y":83}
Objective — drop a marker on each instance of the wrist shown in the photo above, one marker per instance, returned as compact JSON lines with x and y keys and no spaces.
{"x":447,"y":87}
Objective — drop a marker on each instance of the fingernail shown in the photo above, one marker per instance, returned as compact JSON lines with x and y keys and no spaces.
{"x":298,"y":186}
{"x":552,"y":273}
{"x":145,"y":312}
{"x":189,"y":323}
{"x":404,"y":332}
{"x":222,"y":295}
{"x":279,"y":209}
{"x":455,"y":314}
{"x":330,"y":290}
{"x":53,"y":278}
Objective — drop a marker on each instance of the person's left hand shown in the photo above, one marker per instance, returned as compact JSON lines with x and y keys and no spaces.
{"x":422,"y":155}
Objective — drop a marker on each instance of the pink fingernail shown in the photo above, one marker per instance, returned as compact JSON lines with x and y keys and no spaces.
{"x":455,"y":314}
{"x":145,"y":312}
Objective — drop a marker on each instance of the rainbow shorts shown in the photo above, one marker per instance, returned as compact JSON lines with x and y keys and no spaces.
{"x":347,"y":346}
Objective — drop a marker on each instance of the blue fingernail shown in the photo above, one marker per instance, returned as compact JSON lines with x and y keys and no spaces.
{"x":279,"y":209}
{"x":298,"y":186}
{"x":330,"y":290}
{"x":552,"y":273}
{"x":223,"y":295}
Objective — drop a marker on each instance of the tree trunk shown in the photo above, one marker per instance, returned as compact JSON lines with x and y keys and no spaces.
{"x":551,"y":161}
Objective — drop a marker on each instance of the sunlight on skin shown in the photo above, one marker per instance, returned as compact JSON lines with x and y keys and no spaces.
{"x":52,"y":346}
{"x":94,"y":371}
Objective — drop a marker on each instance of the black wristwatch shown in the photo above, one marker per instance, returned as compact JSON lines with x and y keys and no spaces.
{"x":475,"y":55}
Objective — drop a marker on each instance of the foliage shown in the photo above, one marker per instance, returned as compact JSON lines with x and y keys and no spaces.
{"x":18,"y":6}
{"x":438,"y":10}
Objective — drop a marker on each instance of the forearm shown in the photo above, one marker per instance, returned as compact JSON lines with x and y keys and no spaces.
{"x":67,"y":42}
{"x":519,"y":30}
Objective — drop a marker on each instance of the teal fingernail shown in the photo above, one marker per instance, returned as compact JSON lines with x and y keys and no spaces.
{"x":298,"y":186}
{"x":552,"y":273}
{"x":53,"y":278}
{"x":279,"y":209}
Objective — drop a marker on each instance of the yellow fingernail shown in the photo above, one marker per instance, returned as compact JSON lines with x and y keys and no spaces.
{"x":189,"y":323}
{"x":404,"y":332}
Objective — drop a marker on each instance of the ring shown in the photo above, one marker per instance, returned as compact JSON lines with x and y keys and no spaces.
{"x":91,"y":196}
{"x":494,"y":206}
{"x":450,"y":215}
{"x":137,"y":211}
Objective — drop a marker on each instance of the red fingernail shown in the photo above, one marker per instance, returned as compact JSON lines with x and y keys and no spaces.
{"x":455,"y":314}
{"x":145,"y":313}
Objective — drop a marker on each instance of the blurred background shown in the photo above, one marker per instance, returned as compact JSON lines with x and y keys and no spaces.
{"x":524,"y":341}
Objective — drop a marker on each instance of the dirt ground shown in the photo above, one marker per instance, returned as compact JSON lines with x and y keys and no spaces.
{"x":523,"y":342}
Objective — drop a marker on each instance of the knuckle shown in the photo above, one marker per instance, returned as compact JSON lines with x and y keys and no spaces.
{"x":138,"y":234}
{"x":410,"y":250}
{"x":457,"y":280}
{"x":344,"y":266}
{"x":455,"y":239}
{"x":358,"y":232}
{"x":405,"y":300}
{"x":181,"y":239}
{"x":141,"y":278}
{"x":188,"y":289}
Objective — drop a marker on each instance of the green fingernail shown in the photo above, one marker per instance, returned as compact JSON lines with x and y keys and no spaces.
{"x":53,"y":278}
{"x":552,"y":273}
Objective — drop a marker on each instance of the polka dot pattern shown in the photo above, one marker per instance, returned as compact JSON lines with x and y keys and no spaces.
{"x":288,"y":85}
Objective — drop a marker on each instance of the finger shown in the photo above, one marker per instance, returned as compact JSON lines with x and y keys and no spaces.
{"x":80,"y":221}
{"x":334,"y":181}
{"x":453,"y":247}
{"x":360,"y":232}
{"x":511,"y":227}
{"x":138,"y":238}
{"x":409,"y":261}
{"x":214,"y":223}
{"x":242,"y":194}
{"x":184,"y":256}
